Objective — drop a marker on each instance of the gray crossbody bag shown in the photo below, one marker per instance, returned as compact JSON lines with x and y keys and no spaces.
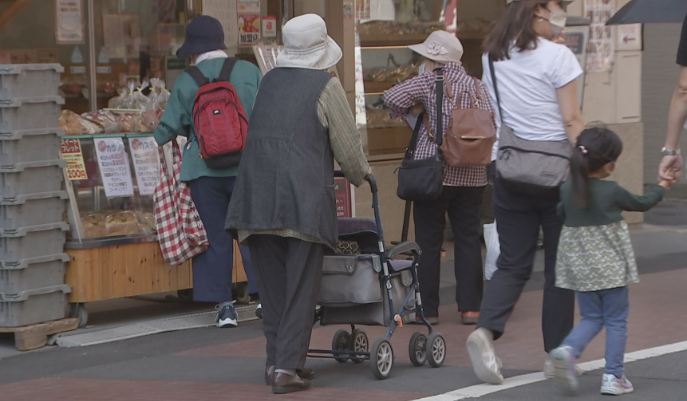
{"x":531,"y":167}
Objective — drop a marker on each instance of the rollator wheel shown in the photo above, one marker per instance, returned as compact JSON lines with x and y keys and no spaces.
{"x":417,"y":349}
{"x":381,"y":358}
{"x":340,"y":343}
{"x":359,"y":343}
{"x":436,"y":350}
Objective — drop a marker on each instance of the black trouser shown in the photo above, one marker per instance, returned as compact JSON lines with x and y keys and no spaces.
{"x":289,"y":273}
{"x":463,"y":207}
{"x":519,"y":218}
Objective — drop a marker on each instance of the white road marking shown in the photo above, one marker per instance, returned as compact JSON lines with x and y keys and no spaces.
{"x":481,"y":390}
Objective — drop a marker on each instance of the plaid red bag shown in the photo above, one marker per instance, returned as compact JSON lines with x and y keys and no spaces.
{"x":179,"y":229}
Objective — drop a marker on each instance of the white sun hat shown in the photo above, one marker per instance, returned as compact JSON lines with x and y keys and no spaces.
{"x":440,"y":46}
{"x":307,"y":45}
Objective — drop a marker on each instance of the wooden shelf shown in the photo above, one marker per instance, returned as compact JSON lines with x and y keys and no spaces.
{"x":377,"y":87}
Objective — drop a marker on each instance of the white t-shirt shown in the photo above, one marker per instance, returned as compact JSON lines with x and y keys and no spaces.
{"x":527,"y":86}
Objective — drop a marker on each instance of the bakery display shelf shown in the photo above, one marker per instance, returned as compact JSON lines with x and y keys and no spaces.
{"x":378,"y":87}
{"x":113,"y":135}
{"x":129,"y":239}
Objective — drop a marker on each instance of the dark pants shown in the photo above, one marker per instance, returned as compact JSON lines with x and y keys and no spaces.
{"x":212,"y":269}
{"x":289,"y":273}
{"x":463,"y":207}
{"x":519,"y":218}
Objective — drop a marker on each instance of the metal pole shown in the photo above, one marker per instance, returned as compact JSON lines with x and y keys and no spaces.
{"x":93,"y":85}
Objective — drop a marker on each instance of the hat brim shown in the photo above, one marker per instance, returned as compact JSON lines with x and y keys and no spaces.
{"x":422,"y":50}
{"x":189,"y":48}
{"x":322,"y":59}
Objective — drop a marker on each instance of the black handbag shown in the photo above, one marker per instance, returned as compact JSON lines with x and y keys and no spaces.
{"x":422,"y":180}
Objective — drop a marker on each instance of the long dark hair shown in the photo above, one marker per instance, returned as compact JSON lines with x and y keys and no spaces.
{"x":595,"y":147}
{"x":514,"y":24}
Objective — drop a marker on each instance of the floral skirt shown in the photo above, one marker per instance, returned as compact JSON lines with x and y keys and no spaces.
{"x":596,"y":258}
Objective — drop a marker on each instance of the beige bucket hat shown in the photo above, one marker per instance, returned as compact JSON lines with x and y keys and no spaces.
{"x":440,"y":46}
{"x":307,"y":45}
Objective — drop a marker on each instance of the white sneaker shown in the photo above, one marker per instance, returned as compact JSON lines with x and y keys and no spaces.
{"x":611,"y":385}
{"x":550,"y":370}
{"x":563,"y":362}
{"x":484,"y":361}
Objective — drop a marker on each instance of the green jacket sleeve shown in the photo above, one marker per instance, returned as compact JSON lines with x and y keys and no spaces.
{"x":247,"y":77}
{"x":176,"y":119}
{"x":638,"y":203}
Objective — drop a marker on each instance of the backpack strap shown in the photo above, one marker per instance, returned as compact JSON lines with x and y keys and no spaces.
{"x":227,"y":68}
{"x":197,"y":76}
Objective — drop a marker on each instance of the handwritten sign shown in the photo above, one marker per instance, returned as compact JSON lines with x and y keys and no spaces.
{"x":70,"y":150}
{"x":342,"y":192}
{"x":146,"y":163}
{"x":114,"y":167}
{"x":69,"y":26}
{"x":249,"y":29}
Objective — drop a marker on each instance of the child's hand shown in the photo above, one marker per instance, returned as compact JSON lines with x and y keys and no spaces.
{"x":667,"y":183}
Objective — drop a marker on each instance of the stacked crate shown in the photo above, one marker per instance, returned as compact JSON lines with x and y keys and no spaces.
{"x":32,"y":197}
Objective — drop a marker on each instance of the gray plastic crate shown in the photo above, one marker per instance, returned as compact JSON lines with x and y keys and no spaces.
{"x":30,"y":274}
{"x":32,"y":210}
{"x":31,"y":178}
{"x":34,"y":306}
{"x":29,"y":146}
{"x":33,"y":242}
{"x":29,"y":80}
{"x":29,"y":113}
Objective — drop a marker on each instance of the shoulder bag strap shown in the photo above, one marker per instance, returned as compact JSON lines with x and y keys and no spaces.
{"x":440,"y":107}
{"x":416,"y":132}
{"x":197,"y":76}
{"x":227,"y":68}
{"x":496,"y":87}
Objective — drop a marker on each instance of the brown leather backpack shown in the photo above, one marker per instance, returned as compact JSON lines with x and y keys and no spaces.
{"x":470,"y":134}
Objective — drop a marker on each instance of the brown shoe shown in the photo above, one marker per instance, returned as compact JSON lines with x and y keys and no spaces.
{"x":469,"y":318}
{"x":307,"y":374}
{"x":284,"y":383}
{"x":269,"y":375}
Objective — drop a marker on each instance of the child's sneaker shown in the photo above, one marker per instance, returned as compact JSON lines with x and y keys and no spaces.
{"x":611,"y":385}
{"x":563,"y":361}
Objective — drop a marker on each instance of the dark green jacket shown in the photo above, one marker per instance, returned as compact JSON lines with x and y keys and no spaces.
{"x":607,"y":201}
{"x":177,"y":118}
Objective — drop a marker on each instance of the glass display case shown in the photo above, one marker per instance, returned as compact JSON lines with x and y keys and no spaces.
{"x":384,"y":29}
{"x":111,"y":183}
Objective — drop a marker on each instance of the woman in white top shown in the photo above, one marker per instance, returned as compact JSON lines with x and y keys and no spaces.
{"x":536,"y":79}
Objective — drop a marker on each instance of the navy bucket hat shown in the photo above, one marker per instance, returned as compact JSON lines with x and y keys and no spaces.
{"x":203,"y":34}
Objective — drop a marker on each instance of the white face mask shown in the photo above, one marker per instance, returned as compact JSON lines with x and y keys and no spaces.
{"x":422,"y":68}
{"x":558,"y":18}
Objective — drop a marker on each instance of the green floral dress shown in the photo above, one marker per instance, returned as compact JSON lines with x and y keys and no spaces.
{"x":595,"y":258}
{"x":595,"y":252}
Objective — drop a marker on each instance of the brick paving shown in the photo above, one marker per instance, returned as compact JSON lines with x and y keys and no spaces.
{"x":655,"y":319}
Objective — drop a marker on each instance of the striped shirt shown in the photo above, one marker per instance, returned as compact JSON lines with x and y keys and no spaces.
{"x":422,"y":89}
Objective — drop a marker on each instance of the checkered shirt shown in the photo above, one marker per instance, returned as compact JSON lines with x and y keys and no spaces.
{"x":422,"y":89}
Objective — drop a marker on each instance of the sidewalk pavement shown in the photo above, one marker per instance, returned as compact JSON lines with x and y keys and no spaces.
{"x":211,"y":364}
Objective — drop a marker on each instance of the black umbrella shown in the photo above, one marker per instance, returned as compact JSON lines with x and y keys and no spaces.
{"x":650,"y":11}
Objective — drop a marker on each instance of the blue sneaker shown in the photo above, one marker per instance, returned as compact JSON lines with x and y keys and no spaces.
{"x":226,"y":315}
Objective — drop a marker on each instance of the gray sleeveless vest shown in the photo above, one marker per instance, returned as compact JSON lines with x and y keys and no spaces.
{"x":286,"y":176}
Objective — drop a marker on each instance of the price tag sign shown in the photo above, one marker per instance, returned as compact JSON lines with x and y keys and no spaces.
{"x":342,"y":191}
{"x":146,"y":163}
{"x":70,"y":151}
{"x":114,"y":167}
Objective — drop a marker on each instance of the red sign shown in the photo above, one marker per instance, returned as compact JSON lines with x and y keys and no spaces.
{"x":344,"y":207}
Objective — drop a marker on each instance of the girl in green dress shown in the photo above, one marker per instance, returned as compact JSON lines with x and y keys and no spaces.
{"x":595,"y":256}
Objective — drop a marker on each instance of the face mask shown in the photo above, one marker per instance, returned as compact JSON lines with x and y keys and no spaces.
{"x":423,"y":68}
{"x":559,"y":18}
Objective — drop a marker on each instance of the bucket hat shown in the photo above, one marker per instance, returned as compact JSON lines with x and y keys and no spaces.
{"x":307,"y":45}
{"x":203,"y":34}
{"x":440,"y":46}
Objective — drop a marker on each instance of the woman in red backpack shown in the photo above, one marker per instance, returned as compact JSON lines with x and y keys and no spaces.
{"x":211,"y":187}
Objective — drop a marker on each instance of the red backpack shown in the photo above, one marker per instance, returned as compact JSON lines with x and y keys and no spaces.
{"x":218,"y":118}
